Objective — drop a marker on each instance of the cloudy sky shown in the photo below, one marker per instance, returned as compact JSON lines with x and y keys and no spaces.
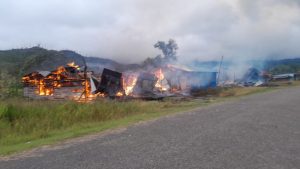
{"x":127,"y":29}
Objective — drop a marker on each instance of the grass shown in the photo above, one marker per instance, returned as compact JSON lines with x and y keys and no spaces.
{"x":26,"y":124}
{"x":242,"y":91}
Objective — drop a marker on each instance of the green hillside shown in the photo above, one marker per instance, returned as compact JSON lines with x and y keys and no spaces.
{"x":283,"y":66}
{"x":17,"y":62}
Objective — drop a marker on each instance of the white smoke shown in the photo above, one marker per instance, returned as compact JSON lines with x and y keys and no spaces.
{"x":125,"y":30}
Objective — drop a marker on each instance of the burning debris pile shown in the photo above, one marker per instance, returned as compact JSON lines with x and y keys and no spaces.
{"x":253,"y":77}
{"x":66,"y":82}
{"x":157,"y":80}
{"x":69,"y":82}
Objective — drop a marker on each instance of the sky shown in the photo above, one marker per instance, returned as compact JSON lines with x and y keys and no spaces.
{"x":126,"y":30}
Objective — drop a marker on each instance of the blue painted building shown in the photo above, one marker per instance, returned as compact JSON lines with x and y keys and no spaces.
{"x":202,"y":80}
{"x":190,"y":80}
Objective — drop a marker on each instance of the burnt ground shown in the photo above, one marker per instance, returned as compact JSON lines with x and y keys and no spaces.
{"x":260,"y":131}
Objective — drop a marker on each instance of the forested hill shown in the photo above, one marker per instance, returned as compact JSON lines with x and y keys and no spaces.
{"x":18,"y":62}
{"x":272,"y":66}
{"x":283,"y":66}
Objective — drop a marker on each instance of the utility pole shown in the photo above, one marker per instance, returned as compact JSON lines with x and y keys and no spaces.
{"x":85,"y":81}
{"x":234,"y":77}
{"x":220,"y":69}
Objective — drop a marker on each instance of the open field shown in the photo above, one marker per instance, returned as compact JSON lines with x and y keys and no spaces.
{"x":26,"y":124}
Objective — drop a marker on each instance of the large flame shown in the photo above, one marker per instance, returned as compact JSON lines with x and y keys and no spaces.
{"x":43,"y":90}
{"x":129,"y":82}
{"x":160,"y":78}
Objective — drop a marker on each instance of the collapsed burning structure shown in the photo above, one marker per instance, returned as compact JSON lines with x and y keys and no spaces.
{"x":66,"y":82}
{"x":253,"y":77}
{"x":169,"y":80}
{"x":69,"y":83}
{"x":158,"y":80}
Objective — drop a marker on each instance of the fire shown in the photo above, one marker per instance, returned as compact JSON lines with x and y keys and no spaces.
{"x":72,"y":64}
{"x":60,"y":70}
{"x":42,"y":90}
{"x":63,"y":76}
{"x":32,"y":80}
{"x":88,"y":93}
{"x":129,"y":82}
{"x":159,"y":74}
{"x":72,"y":83}
{"x":68,"y":82}
{"x":119,"y":94}
{"x":161,"y":77}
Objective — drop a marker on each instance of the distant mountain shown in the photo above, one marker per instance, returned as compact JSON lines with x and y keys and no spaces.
{"x":18,"y":62}
{"x":22,"y":61}
{"x":272,"y":66}
{"x":283,"y":66}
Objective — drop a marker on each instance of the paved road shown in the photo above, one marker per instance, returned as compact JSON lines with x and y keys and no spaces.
{"x":256,"y":132}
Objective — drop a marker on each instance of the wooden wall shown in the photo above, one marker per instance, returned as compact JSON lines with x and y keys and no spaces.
{"x":63,"y":93}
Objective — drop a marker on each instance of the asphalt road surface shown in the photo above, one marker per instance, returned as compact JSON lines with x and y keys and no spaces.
{"x":261,"y":131}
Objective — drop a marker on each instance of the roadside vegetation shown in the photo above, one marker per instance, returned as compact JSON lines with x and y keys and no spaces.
{"x":25,"y":124}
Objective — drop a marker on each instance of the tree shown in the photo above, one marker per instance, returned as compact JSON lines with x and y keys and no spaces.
{"x":168,"y":49}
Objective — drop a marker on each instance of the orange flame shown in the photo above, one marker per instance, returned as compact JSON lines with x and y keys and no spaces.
{"x":160,"y":76}
{"x":72,"y":64}
{"x":43,"y":90}
{"x":119,"y":94}
{"x":129,"y":82}
{"x":45,"y":86}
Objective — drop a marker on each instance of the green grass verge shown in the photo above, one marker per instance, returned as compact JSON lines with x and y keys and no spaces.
{"x":28,"y":124}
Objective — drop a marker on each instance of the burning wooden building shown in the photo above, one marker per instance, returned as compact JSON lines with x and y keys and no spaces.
{"x":71,"y":82}
{"x":167,"y":81}
{"x":66,"y":82}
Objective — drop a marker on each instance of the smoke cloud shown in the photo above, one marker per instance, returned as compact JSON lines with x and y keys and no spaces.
{"x":125,"y":30}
